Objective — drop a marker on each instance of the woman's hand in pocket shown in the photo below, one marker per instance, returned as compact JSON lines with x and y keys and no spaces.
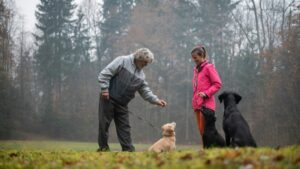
{"x":202,"y":94}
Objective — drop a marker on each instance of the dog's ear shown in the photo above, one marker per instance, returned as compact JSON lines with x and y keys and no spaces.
{"x":237,"y":97}
{"x":221,"y":97}
{"x":174,"y":124}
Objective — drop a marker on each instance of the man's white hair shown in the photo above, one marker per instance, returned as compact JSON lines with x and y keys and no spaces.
{"x":144,"y":54}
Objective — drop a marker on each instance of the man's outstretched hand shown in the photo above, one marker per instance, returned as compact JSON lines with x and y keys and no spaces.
{"x":162,"y":103}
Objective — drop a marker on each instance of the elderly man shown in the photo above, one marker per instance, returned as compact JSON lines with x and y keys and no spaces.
{"x":119,"y":81}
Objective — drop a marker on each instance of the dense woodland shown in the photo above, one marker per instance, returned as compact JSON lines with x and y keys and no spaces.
{"x":48,"y":76}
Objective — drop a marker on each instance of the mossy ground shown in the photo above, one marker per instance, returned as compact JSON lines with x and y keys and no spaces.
{"x":62,"y":154}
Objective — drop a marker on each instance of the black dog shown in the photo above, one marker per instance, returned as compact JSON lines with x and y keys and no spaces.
{"x":211,"y":137}
{"x":237,"y":132}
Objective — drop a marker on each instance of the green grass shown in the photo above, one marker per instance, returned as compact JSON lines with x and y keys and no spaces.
{"x":71,"y":145}
{"x":63,"y":154}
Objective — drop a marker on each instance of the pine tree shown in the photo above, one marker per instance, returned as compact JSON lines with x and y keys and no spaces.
{"x":78,"y":103}
{"x":6,"y":87}
{"x":54,"y":54}
{"x":82,"y":41}
{"x":116,"y":17}
{"x":6,"y":16}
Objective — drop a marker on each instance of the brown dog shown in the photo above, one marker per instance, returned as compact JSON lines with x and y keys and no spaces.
{"x":167,"y":143}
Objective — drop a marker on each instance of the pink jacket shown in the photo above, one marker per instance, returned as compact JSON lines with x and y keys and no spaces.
{"x":206,"y":80}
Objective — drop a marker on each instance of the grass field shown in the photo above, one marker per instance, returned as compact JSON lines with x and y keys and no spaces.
{"x":63,"y":154}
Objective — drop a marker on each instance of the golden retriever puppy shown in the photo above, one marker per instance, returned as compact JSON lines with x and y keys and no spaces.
{"x":167,"y":143}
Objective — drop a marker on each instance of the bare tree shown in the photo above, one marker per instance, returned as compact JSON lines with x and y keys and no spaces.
{"x":92,"y":11}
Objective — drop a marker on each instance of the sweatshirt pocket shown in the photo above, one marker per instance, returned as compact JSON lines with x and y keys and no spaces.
{"x":200,"y":101}
{"x":197,"y":101}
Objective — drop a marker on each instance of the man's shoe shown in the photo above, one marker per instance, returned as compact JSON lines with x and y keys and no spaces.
{"x":131,"y":149}
{"x":103,"y":149}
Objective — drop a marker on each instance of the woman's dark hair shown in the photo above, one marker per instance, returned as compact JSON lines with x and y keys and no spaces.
{"x":199,"y":50}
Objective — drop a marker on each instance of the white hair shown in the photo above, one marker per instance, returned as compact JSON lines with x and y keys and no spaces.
{"x":144,"y":54}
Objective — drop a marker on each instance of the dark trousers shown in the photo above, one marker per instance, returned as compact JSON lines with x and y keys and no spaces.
{"x":109,"y":110}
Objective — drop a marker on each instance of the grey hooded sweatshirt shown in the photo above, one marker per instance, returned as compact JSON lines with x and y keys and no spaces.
{"x":122,"y":79}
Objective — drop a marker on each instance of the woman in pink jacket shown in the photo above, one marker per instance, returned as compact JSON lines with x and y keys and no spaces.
{"x":206,"y":82}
